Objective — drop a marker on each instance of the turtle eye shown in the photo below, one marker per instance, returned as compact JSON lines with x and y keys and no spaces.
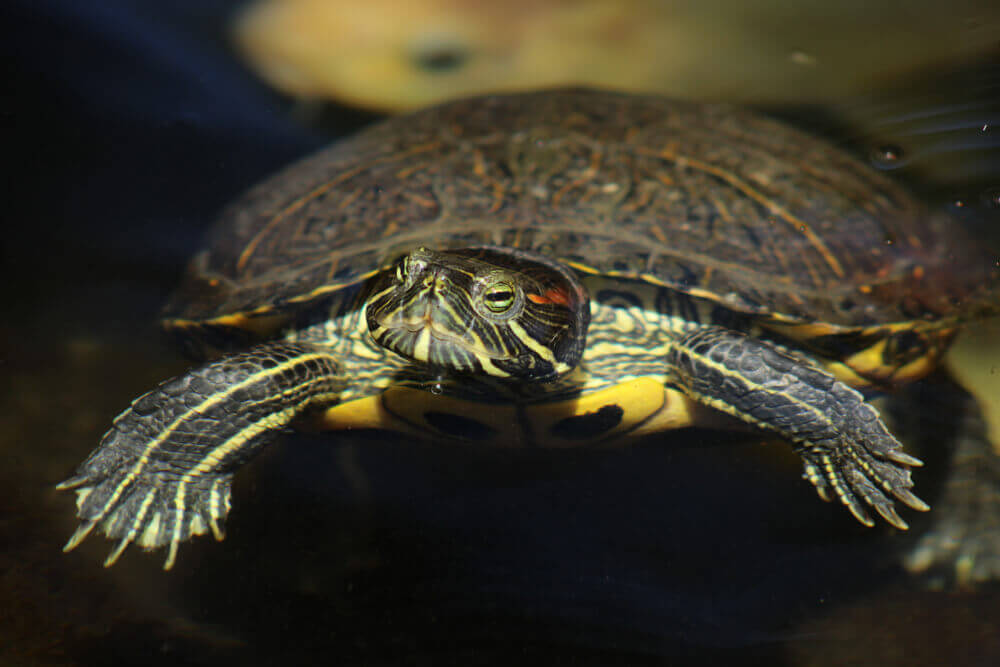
{"x":499,"y":297}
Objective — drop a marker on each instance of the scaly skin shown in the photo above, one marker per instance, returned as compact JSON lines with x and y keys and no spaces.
{"x":846,"y":449}
{"x":163,"y":472}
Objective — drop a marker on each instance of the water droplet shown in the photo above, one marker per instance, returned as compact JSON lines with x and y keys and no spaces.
{"x":437,"y":389}
{"x":886,"y":157}
{"x":986,"y":127}
{"x":991,"y":197}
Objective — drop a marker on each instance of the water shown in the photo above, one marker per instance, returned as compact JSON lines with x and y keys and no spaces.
{"x":378,"y":550}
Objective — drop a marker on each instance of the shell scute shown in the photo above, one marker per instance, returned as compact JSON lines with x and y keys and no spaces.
{"x":707,"y":199}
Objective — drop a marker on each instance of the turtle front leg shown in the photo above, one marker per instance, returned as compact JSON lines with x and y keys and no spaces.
{"x":163,"y":472}
{"x":846,"y":449}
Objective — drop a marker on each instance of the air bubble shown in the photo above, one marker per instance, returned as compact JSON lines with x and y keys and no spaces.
{"x":802,"y":58}
{"x":437,"y":389}
{"x":886,"y":157}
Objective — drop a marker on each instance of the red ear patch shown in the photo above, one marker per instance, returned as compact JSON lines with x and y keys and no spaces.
{"x":552,"y":295}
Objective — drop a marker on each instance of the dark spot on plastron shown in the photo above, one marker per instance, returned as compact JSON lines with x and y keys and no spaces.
{"x":459,"y":426}
{"x":586,"y":426}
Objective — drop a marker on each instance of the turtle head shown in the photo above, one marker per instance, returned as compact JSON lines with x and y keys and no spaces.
{"x":490,"y":311}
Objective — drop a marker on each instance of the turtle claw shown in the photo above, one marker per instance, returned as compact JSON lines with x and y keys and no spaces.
{"x":854,"y":507}
{"x":171,"y":555}
{"x":72,"y":482}
{"x":79,"y":535}
{"x":813,"y":476}
{"x":888,"y":512}
{"x":117,"y":552}
{"x":910,"y":500}
{"x":901,"y":457}
{"x":152,"y":509}
{"x":867,"y":467}
{"x":217,"y":530}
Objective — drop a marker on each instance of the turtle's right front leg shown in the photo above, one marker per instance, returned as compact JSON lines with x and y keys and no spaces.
{"x":163,"y":472}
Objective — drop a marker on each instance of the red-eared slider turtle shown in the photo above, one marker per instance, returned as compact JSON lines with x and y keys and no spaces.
{"x":558,"y":268}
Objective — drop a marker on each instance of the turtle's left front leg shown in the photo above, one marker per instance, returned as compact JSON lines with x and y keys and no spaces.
{"x":847,"y":451}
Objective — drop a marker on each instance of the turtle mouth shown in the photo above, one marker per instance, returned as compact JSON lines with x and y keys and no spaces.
{"x":480,"y":311}
{"x":413,"y":328}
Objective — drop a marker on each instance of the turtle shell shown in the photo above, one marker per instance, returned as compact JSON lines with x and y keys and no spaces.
{"x":708,"y":199}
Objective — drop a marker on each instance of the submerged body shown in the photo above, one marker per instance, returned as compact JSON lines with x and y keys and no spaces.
{"x":557,"y":268}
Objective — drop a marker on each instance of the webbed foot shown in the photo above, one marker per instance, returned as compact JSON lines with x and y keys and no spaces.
{"x":163,"y":473}
{"x":847,"y":451}
{"x":863,"y":464}
{"x":151,"y":509}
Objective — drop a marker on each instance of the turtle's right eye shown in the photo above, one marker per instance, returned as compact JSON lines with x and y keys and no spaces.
{"x":499,"y":296}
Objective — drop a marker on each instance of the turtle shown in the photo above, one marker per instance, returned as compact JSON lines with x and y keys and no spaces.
{"x":565,"y":267}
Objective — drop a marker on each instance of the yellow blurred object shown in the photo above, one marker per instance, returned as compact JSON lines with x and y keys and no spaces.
{"x":400,"y":54}
{"x":974,"y":360}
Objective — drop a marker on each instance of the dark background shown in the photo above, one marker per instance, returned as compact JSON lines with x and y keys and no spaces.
{"x":127,"y":125}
